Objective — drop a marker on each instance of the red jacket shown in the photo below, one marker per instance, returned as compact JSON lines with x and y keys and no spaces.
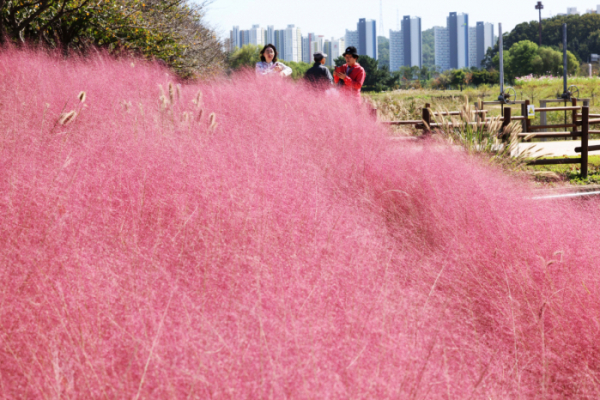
{"x":354,"y":79}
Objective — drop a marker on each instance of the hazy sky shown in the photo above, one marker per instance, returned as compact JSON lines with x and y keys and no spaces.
{"x":332,"y":17}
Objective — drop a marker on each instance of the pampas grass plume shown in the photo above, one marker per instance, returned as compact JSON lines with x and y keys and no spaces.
{"x":212,"y":122}
{"x":67,"y":118}
{"x":198,"y":99}
{"x":171,"y":93}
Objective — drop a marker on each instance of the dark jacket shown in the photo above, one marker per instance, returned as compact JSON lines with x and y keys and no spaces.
{"x":319,"y":74}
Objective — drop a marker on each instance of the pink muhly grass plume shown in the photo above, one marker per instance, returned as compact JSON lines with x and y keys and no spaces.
{"x":296,"y":253}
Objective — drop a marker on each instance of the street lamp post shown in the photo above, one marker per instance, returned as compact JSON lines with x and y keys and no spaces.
{"x":539,"y":6}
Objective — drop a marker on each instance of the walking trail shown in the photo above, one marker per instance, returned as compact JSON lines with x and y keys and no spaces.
{"x":555,"y":148}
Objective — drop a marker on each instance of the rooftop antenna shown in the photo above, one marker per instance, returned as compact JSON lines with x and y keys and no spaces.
{"x":505,"y":95}
{"x":381,"y":16}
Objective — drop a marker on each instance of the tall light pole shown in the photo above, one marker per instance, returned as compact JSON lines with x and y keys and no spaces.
{"x":539,"y":6}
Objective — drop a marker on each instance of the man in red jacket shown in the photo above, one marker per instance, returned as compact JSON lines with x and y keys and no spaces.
{"x":351,"y":74}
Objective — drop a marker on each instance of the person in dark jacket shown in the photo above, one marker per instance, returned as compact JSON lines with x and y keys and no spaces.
{"x":319,"y":74}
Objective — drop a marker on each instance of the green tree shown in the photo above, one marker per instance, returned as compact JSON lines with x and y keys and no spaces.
{"x":246,"y":56}
{"x":523,"y":57}
{"x":443,"y":80}
{"x":509,"y":75}
{"x":548,"y":62}
{"x":428,"y":48}
{"x":376,"y":79}
{"x":572,"y":64}
{"x":580,"y":33}
{"x":383,"y":52}
{"x":406,"y":73}
{"x":171,"y":30}
{"x":458,"y":78}
{"x":339,"y":61}
{"x":298,"y":69}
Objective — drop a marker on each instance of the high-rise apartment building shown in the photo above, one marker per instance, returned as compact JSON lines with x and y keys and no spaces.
{"x":270,"y":35}
{"x":318,"y":44}
{"x":292,"y":47}
{"x":338,"y":46}
{"x":458,"y":45}
{"x":234,"y":38}
{"x":257,"y":35}
{"x":351,"y":39}
{"x":485,"y":40}
{"x":244,"y":37}
{"x":452,"y":43}
{"x":473,"y":47}
{"x":307,"y":54}
{"x":411,"y":28}
{"x":458,"y":31}
{"x":367,"y":38}
{"x":279,"y":39}
{"x":406,"y":44}
{"x":305,"y":49}
{"x":327,"y":50}
{"x":441,"y":47}
{"x":396,"y":50}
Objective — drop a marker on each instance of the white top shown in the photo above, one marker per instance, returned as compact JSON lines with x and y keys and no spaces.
{"x":267,"y":68}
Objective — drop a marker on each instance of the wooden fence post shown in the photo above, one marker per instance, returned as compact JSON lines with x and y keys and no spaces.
{"x":524,"y":114}
{"x":427,"y":117}
{"x":505,"y":123}
{"x":543,"y":120}
{"x":574,"y":116}
{"x":585,"y":131}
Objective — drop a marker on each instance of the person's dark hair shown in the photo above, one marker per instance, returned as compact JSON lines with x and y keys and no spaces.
{"x":262,"y":52}
{"x":318,"y":59}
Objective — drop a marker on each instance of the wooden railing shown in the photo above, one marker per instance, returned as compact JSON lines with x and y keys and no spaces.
{"x":529,"y":131}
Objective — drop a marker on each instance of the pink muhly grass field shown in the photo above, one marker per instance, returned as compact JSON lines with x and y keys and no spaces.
{"x":282,"y":248}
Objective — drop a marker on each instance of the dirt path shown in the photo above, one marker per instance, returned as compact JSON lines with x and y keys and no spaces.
{"x":556,"y":148}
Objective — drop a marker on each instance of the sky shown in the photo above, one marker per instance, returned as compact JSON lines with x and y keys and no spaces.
{"x":331,"y":18}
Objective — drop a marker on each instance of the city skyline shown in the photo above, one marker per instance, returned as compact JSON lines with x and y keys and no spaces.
{"x":457,"y":45}
{"x":223,"y":14}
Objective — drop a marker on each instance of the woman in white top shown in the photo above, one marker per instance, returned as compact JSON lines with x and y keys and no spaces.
{"x":269,"y":64}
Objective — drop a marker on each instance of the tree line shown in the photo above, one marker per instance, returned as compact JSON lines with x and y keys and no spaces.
{"x":170,"y":30}
{"x":583,"y":34}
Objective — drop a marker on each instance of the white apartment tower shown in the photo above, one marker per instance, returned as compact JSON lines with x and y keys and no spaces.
{"x":257,"y":35}
{"x":270,"y":34}
{"x":452,"y":43}
{"x":485,"y":40}
{"x":338,"y":46}
{"x":406,"y":44}
{"x":292,"y":48}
